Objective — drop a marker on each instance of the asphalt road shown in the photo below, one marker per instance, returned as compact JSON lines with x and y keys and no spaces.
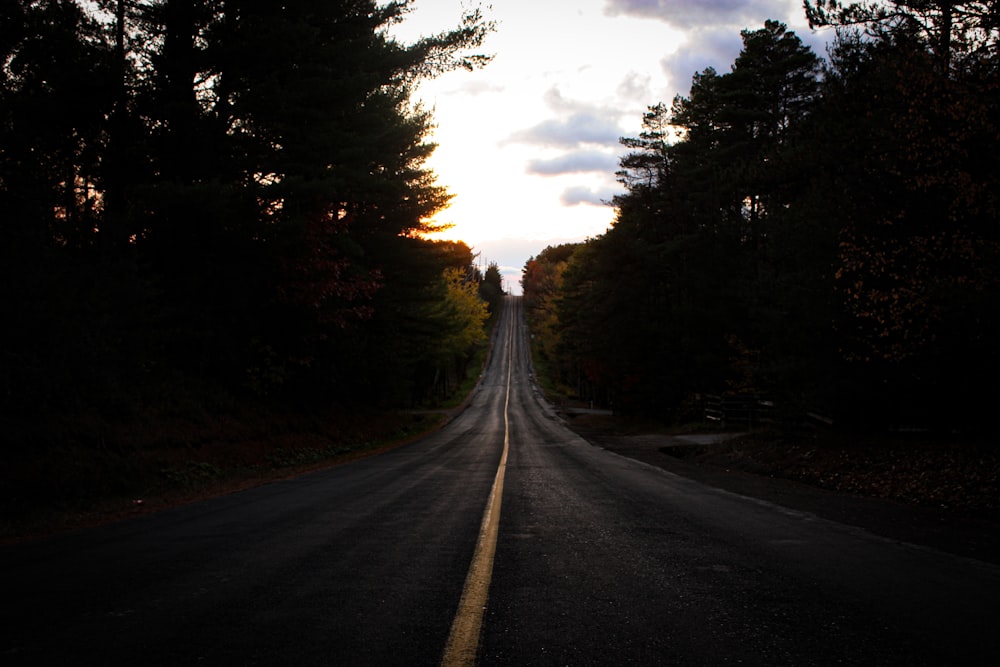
{"x":599,"y":560}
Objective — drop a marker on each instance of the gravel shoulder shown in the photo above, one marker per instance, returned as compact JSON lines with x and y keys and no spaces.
{"x":912,"y":498}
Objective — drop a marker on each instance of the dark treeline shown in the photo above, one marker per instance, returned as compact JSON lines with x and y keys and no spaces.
{"x":821,"y":231}
{"x":225,"y":198}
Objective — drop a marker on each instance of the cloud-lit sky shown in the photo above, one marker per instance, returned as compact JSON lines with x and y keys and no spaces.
{"x":529,"y":144}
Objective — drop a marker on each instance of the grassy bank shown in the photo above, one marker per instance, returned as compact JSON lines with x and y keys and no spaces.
{"x":91,"y":466}
{"x":83,"y":470}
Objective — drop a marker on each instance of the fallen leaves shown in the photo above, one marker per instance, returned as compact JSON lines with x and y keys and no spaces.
{"x":950,"y":473}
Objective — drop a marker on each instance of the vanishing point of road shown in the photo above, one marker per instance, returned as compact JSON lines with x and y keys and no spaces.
{"x":502,"y":539}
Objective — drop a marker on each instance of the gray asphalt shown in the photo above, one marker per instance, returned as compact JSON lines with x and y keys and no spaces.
{"x":362,"y":564}
{"x":601,"y":560}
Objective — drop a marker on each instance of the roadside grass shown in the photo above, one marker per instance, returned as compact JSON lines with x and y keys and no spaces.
{"x":89,"y":470}
{"x":474,"y":369}
{"x":86,"y":469}
{"x":555,"y":392}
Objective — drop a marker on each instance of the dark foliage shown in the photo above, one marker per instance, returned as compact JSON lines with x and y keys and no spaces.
{"x":204,"y":199}
{"x":824,"y":234}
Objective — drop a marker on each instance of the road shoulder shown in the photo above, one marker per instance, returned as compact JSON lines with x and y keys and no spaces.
{"x":938,"y":528}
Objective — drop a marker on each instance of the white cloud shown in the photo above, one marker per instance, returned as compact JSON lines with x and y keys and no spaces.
{"x":572,"y":131}
{"x":575,"y":124}
{"x":555,"y":100}
{"x":716,"y":47}
{"x":574,"y":163}
{"x":476,"y":87}
{"x":635,"y":87}
{"x":529,"y":145}
{"x":712,"y":30}
{"x":581,"y":194}
{"x":584,"y":135}
{"x":696,"y":14}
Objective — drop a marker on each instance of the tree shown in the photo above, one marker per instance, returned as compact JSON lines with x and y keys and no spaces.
{"x":542,"y":286}
{"x":961,"y":35}
{"x":828,"y":235}
{"x":491,"y":288}
{"x":646,"y":167}
{"x":215,"y":189}
{"x":411,"y":349}
{"x":699,"y":221}
{"x":54,"y":76}
{"x":330,"y":151}
{"x":738,"y":125}
{"x":918,"y":238}
{"x":283,"y":143}
{"x":68,"y":307}
{"x":469,"y":313}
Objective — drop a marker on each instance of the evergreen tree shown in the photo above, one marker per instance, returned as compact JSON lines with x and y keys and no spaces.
{"x":491,"y":288}
{"x":699,"y":220}
{"x":215,"y":191}
{"x":68,"y":306}
{"x":918,"y":234}
{"x":960,"y":35}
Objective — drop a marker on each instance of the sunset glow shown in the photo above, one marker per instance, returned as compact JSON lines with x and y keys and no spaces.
{"x":529,"y":144}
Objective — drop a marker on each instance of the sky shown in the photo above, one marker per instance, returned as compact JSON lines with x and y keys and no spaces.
{"x":529,"y":144}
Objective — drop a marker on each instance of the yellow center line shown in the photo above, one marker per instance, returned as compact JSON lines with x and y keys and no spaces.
{"x":463,"y":640}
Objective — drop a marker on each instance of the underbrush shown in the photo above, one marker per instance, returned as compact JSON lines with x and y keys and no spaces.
{"x":947,"y":472}
{"x":80,"y":470}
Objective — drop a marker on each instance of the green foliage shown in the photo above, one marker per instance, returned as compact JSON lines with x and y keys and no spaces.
{"x":542,"y":285}
{"x":467,"y":313}
{"x":491,"y":289}
{"x":416,"y":345}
